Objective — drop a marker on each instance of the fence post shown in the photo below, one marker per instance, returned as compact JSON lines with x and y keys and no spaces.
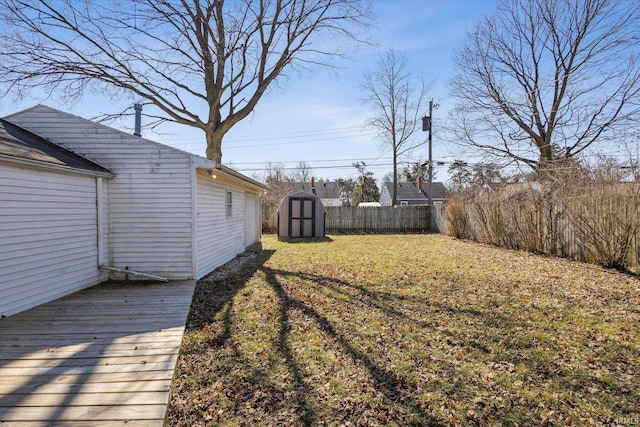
{"x":637,"y":206}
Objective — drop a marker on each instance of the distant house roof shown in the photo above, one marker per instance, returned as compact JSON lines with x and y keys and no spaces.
{"x":18,"y":145}
{"x":410,"y":191}
{"x":324,"y":189}
{"x":519,"y":191}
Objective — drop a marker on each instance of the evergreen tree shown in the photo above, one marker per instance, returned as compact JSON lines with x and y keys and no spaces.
{"x":366,"y":189}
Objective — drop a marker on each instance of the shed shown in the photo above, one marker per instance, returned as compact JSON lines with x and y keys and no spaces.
{"x":162,"y":212}
{"x":301,"y":215}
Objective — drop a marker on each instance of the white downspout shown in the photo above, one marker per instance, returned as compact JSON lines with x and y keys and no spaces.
{"x":194,"y":218}
{"x":100,"y":219}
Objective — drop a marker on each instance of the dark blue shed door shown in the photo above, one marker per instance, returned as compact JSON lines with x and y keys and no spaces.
{"x":302,"y":217}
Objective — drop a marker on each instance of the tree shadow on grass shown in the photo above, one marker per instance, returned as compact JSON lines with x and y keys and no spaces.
{"x":209,"y":348}
{"x":259,"y":389}
{"x":395,"y":305}
{"x":390,"y":384}
{"x":255,"y":392}
{"x":214,"y":298}
{"x":496,"y":330}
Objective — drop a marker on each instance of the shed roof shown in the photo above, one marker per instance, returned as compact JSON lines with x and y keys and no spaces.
{"x":18,"y":145}
{"x":302,"y":194}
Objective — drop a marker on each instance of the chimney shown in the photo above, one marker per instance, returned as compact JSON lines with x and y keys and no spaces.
{"x":138,"y":108}
{"x":419,"y":184}
{"x":313,"y":185}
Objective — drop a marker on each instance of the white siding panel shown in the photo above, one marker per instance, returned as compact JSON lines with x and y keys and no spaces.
{"x":48,"y":236}
{"x":149,"y":210}
{"x":253,"y":223}
{"x":219,"y":239}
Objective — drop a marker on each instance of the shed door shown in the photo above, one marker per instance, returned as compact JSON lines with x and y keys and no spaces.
{"x":301,"y":216}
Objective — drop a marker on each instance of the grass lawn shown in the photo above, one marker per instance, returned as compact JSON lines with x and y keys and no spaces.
{"x":410,"y":330}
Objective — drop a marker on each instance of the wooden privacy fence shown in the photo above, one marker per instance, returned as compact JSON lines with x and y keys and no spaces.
{"x":383,"y":219}
{"x":353,"y":219}
{"x":269,"y":219}
{"x":600,"y":229}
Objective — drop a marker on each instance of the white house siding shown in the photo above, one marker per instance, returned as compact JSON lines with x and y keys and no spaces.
{"x":48,"y":229}
{"x":385,"y":197}
{"x":252,"y":219}
{"x":150,"y":207}
{"x":219,"y":239}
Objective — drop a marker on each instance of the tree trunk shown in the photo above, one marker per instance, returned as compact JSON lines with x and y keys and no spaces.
{"x":214,"y":145}
{"x":546,"y":154}
{"x":394,"y":197}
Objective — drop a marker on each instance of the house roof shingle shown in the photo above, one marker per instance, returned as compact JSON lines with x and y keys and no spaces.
{"x":409,"y":190}
{"x":20,"y":145}
{"x":324,"y":189}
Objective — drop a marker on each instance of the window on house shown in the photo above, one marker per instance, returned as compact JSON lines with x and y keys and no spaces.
{"x":229,"y":204}
{"x":404,"y":203}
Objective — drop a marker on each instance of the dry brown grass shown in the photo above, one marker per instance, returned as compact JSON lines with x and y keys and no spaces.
{"x":410,"y":330}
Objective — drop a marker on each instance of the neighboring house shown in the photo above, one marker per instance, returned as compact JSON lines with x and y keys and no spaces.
{"x":515,"y":191}
{"x":81,"y":200}
{"x":409,"y":193}
{"x":329,"y":192}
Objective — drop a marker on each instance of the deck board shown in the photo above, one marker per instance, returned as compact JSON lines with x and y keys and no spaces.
{"x":102,"y":356}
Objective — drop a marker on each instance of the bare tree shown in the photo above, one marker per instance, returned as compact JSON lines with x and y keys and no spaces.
{"x":283,"y":181}
{"x":303,"y":172}
{"x":201,"y":63}
{"x":397,"y":97}
{"x":280,"y":183}
{"x":542,"y":80}
{"x":412,"y":171}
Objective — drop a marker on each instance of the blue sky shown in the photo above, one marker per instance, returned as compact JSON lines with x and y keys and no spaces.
{"x":318,"y":116}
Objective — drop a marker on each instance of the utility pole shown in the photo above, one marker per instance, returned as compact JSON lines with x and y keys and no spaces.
{"x":426,"y":126}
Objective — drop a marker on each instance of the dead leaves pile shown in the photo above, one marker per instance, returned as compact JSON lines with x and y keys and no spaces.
{"x":409,"y":330}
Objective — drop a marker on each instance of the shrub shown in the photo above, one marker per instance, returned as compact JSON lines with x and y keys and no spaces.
{"x":457,"y":220}
{"x":592,"y":215}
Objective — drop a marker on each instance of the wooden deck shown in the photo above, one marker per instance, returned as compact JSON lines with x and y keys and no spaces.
{"x":103,"y":356}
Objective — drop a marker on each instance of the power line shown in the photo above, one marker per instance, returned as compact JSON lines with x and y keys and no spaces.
{"x":378,"y":166}
{"x":291,"y":134}
{"x":232,"y":147}
{"x":374,"y":165}
{"x":299,"y":134}
{"x":310,"y":161}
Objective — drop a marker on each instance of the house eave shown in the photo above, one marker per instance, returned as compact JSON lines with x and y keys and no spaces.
{"x":57,"y":168}
{"x":202,"y":163}
{"x":228,"y":174}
